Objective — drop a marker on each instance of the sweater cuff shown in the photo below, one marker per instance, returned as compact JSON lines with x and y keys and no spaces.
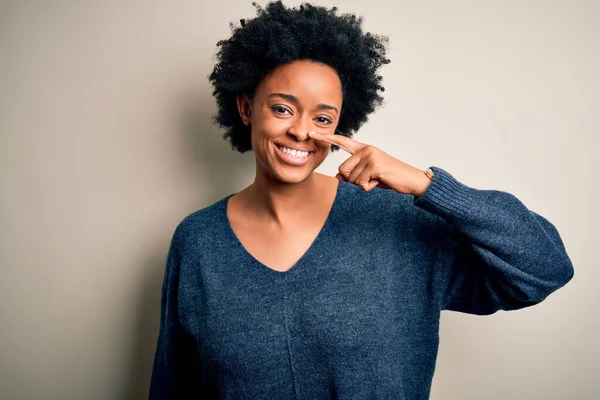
{"x":446,"y":196}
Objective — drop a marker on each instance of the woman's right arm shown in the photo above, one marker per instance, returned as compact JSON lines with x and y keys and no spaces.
{"x":177,"y":371}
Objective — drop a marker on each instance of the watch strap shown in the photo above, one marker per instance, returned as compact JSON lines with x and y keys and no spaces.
{"x":429,"y":173}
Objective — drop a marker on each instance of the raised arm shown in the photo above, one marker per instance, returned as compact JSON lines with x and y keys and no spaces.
{"x":500,"y":255}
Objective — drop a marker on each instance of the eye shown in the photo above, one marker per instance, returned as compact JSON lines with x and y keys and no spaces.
{"x":280,"y":109}
{"x":324,"y":120}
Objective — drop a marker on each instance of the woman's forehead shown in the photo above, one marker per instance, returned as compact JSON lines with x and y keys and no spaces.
{"x":304,"y":79}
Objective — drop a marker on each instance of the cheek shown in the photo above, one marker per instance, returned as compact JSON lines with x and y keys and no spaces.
{"x":268,"y":127}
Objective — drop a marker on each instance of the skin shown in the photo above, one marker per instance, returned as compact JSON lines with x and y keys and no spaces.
{"x":282,"y":194}
{"x":370,"y":167}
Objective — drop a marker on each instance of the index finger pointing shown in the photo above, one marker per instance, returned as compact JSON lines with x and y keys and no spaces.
{"x":350,"y":145}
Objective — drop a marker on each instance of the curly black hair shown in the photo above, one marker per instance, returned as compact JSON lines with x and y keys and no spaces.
{"x":280,"y":35}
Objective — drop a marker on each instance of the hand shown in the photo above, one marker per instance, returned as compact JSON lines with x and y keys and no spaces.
{"x":370,"y":167}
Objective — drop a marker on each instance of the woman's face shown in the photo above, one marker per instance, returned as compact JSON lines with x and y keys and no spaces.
{"x":292,"y":100}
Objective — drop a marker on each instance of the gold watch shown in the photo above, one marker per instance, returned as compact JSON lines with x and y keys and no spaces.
{"x":429,"y":173}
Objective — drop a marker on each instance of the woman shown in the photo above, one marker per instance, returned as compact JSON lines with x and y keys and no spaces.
{"x":311,"y":287}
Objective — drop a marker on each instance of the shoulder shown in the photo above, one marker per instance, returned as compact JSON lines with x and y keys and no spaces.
{"x":200,"y":225}
{"x":376,"y":202}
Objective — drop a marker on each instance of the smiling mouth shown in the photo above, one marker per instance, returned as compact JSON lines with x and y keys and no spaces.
{"x":294,"y":153}
{"x":298,"y":159}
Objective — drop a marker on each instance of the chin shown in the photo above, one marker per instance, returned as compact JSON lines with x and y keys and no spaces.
{"x":293,"y":176}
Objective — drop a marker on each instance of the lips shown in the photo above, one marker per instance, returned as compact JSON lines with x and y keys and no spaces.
{"x":291,"y":160}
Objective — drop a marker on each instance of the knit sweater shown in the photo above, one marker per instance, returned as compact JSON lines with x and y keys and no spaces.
{"x":357,"y":317}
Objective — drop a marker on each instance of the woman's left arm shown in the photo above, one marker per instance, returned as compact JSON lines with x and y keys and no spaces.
{"x":503,"y":255}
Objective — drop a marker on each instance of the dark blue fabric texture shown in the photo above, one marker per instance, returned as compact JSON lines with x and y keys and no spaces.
{"x":357,"y":317}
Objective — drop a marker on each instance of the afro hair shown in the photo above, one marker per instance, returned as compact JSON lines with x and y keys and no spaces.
{"x":279,"y":35}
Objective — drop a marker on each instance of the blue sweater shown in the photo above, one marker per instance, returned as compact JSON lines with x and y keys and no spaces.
{"x":357,"y":317}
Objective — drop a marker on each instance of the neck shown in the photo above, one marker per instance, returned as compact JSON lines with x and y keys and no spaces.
{"x":283,"y":202}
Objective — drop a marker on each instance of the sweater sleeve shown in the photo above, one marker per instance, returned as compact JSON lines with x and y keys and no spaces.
{"x":176,"y":372}
{"x":503,"y":256}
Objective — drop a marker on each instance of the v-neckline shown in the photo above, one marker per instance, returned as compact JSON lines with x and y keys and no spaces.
{"x":240,"y":246}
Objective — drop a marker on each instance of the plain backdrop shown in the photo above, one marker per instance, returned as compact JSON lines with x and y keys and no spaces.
{"x":106,"y":144}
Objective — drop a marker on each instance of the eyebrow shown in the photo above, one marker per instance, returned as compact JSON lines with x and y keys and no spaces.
{"x":294,"y":99}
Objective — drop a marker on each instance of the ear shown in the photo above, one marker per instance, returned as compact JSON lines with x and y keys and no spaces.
{"x":245,"y":108}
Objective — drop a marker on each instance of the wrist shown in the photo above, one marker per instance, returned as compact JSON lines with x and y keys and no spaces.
{"x":422,"y":183}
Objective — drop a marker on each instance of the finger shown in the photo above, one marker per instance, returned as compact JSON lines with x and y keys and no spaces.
{"x":363,"y":178}
{"x":364,"y":162}
{"x":348,"y":166}
{"x":350,"y":145}
{"x":372,"y":184}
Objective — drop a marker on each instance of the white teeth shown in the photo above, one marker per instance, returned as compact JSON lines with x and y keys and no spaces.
{"x":293,"y":153}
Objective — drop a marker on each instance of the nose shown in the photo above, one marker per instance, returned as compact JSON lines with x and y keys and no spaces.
{"x":299,"y":129}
